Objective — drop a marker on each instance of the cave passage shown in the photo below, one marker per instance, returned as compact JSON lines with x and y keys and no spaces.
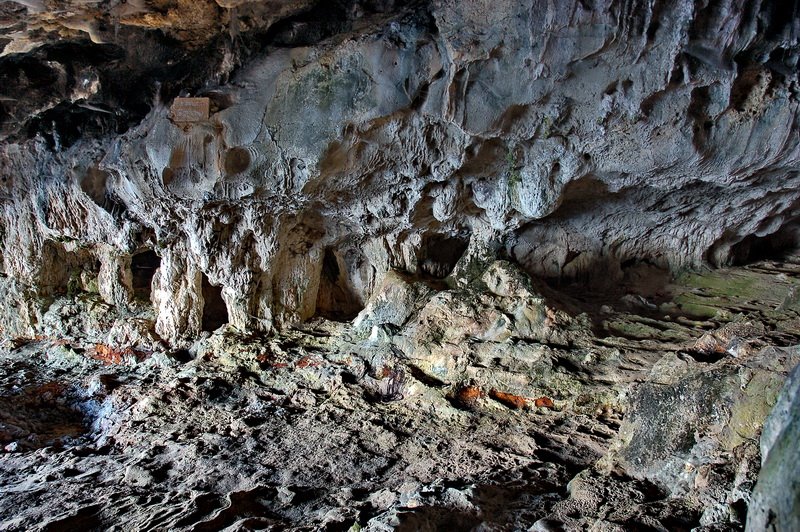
{"x":775,"y":246}
{"x":336,"y":299}
{"x":215,"y":313}
{"x":64,"y":272}
{"x":143,"y":268}
{"x":440,"y":254}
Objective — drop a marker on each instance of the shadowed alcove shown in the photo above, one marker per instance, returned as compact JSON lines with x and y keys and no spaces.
{"x":215,"y":313}
{"x":143,"y":268}
{"x":337,"y":298}
{"x":440,"y":253}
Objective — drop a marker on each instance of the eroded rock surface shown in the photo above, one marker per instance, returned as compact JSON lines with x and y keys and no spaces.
{"x":347,"y":141}
{"x":540,"y":420}
{"x":397,"y":265}
{"x":776,"y":504}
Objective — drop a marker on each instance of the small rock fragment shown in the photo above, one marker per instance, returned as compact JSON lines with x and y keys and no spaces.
{"x":138,"y":476}
{"x":544,"y":402}
{"x":468,"y":396}
{"x":508,"y":399}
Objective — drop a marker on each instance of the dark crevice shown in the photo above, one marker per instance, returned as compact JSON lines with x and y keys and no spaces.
{"x":143,"y":268}
{"x":698,"y":115}
{"x":328,"y":18}
{"x":778,"y":18}
{"x":581,"y":195}
{"x":336,"y":298}
{"x":322,"y":21}
{"x":783,"y":62}
{"x":94,"y":183}
{"x":48,"y":92}
{"x":706,"y":357}
{"x":755,"y":248}
{"x":747,"y":78}
{"x":215,"y":312}
{"x":440,"y":253}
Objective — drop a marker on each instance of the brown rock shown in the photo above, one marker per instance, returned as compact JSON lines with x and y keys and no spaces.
{"x":545,"y":402}
{"x":186,"y":110}
{"x":508,"y":399}
{"x":468,"y":396}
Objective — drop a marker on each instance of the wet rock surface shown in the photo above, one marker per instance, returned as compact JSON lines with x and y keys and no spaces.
{"x":336,"y":426}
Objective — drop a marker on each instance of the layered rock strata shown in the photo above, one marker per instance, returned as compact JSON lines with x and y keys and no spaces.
{"x":519,"y":421}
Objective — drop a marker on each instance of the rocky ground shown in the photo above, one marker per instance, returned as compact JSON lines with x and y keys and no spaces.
{"x":496,"y":403}
{"x":250,"y":270}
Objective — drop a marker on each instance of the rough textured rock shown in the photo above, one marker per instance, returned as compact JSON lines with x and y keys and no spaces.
{"x":346,"y":142}
{"x":776,"y":497}
{"x":687,"y":421}
{"x":197,"y":197}
{"x":332,"y":425}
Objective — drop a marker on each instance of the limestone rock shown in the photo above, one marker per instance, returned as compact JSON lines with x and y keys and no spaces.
{"x":393,"y":302}
{"x":689,"y":433}
{"x":436,"y":339}
{"x":776,"y":497}
{"x":343,"y":141}
{"x":268,"y":264}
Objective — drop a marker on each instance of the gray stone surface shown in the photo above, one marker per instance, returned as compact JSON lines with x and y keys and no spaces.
{"x":177,"y":289}
{"x":776,"y":497}
{"x":573,"y":137}
{"x":494,"y":411}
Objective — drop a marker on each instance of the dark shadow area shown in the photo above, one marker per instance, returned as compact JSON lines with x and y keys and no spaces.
{"x":755,"y":248}
{"x":336,"y":299}
{"x":331,"y":17}
{"x":143,"y":269}
{"x":215,"y":312}
{"x":304,"y":29}
{"x":39,"y":86}
{"x":66,"y":273}
{"x":615,"y":289}
{"x":255,"y":505}
{"x":779,"y":17}
{"x":50,"y":418}
{"x":439,"y":254}
{"x":95,"y":185}
{"x":183,"y":356}
{"x":237,"y":160}
{"x":86,"y":518}
{"x":744,"y":83}
{"x":581,"y":195}
{"x":706,"y":357}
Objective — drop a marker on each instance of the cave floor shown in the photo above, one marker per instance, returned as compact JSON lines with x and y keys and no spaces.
{"x":320,"y":428}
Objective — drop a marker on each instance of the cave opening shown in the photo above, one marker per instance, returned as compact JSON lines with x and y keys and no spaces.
{"x":94,"y":184}
{"x":440,"y":253}
{"x":775,"y":246}
{"x":143,"y":268}
{"x":215,"y":312}
{"x":67,"y":272}
{"x":337,"y":300}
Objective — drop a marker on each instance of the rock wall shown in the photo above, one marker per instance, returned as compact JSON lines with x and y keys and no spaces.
{"x":571,"y":137}
{"x":776,"y":497}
